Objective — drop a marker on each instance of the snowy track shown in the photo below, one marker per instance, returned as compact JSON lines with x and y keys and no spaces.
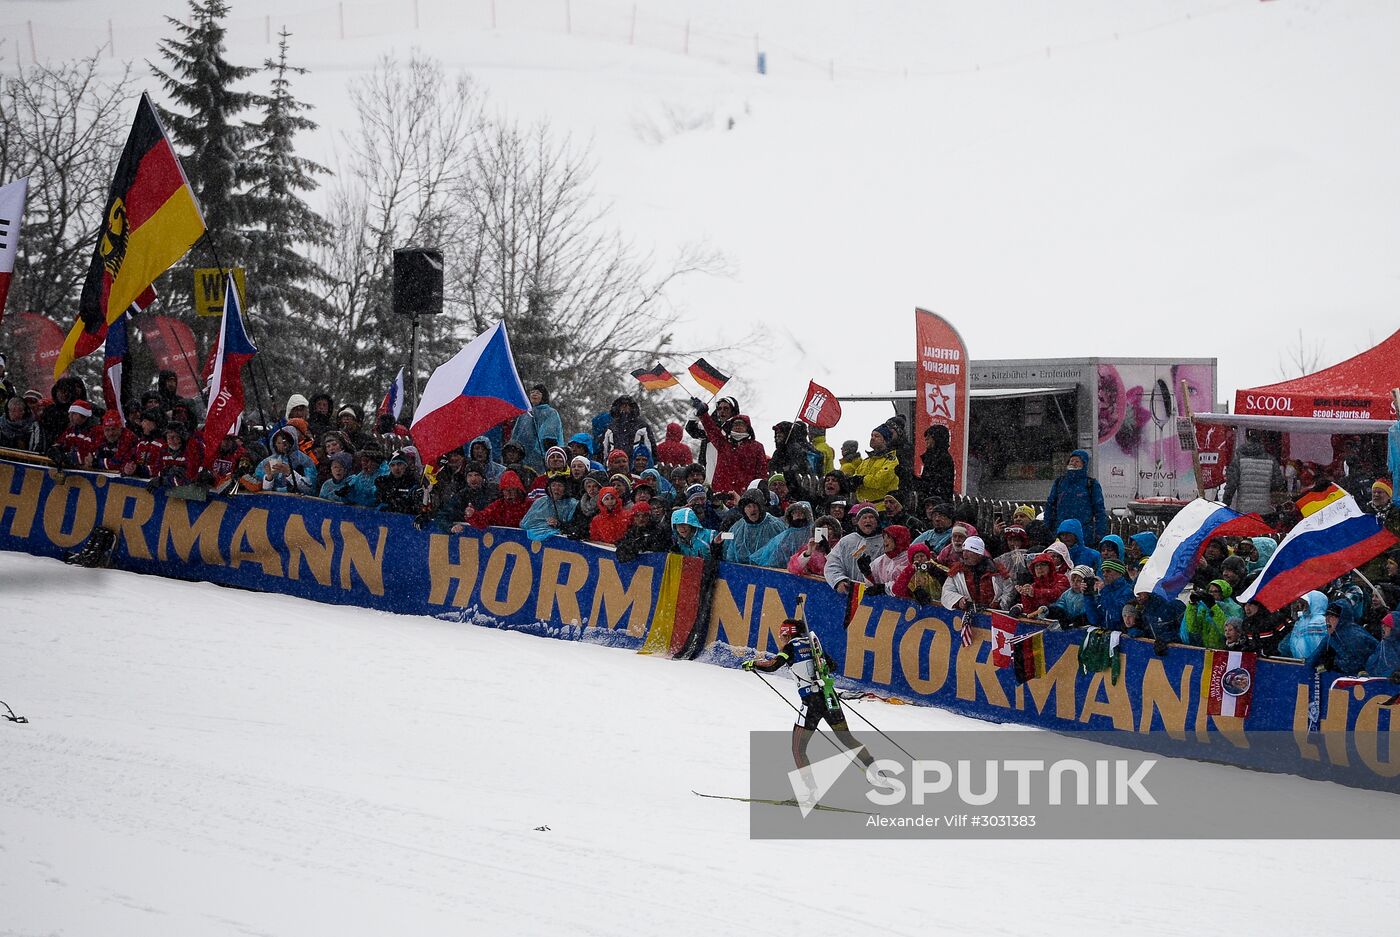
{"x":207,"y":761}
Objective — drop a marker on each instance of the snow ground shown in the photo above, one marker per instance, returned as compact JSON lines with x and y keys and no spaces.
{"x":205,"y":761}
{"x":1163,"y":177}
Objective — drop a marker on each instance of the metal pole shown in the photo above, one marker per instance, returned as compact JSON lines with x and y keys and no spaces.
{"x":413,"y":369}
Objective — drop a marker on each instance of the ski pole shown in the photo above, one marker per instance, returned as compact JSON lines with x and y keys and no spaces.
{"x":770,"y":686}
{"x":877,"y":729}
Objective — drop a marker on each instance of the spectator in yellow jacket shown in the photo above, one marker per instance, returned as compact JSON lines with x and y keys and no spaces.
{"x":876,"y":475}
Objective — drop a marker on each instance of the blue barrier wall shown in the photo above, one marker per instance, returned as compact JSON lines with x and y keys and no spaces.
{"x":499,"y":578}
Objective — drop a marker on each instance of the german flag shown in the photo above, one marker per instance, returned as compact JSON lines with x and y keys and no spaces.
{"x":708,"y":376}
{"x":151,"y":220}
{"x":1028,"y":657}
{"x":1315,"y":501}
{"x":658,"y":378}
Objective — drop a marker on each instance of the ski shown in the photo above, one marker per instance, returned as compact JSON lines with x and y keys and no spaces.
{"x":780,"y":803}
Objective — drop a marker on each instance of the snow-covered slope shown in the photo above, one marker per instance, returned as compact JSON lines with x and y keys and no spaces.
{"x":1170,"y":177}
{"x":204,"y":761}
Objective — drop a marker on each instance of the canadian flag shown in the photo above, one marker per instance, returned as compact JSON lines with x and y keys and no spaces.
{"x":820,"y":407}
{"x":1003,"y":630}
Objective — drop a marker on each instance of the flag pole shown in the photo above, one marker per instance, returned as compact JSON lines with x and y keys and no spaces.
{"x":252,"y":371}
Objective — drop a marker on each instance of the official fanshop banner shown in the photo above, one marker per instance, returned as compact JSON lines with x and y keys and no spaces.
{"x":941,"y":388}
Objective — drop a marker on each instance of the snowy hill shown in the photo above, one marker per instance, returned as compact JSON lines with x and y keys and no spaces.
{"x":1177,"y":177}
{"x":205,"y":761}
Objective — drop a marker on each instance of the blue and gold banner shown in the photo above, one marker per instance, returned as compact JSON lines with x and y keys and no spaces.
{"x":498,"y":578}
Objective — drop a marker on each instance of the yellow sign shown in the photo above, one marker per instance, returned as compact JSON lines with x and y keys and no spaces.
{"x":209,"y":287}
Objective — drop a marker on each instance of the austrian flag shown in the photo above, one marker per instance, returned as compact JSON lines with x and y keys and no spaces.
{"x":1227,"y":683}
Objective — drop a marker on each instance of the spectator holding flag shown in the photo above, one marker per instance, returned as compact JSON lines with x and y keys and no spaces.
{"x":739,"y":458}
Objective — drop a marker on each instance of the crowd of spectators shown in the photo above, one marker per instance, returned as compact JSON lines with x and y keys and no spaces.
{"x":861,"y":518}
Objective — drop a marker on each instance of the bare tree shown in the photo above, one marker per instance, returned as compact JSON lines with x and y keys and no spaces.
{"x":1300,"y":359}
{"x":406,"y":159}
{"x":63,"y":127}
{"x":584,"y":307}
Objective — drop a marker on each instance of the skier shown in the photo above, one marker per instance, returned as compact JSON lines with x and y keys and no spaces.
{"x":811,"y":667}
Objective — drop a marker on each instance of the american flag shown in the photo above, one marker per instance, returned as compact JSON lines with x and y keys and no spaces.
{"x":966,"y":635}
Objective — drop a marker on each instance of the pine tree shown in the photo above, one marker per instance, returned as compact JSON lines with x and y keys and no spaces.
{"x":207,"y":132}
{"x":284,"y":283}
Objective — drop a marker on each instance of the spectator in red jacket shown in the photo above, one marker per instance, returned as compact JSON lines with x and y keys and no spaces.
{"x":672,"y":451}
{"x":116,"y":448}
{"x":739,"y":458}
{"x":1047,"y":586}
{"x":506,"y":511}
{"x":612,"y":520}
{"x":181,"y":459}
{"x":149,"y":445}
{"x":76,"y":444}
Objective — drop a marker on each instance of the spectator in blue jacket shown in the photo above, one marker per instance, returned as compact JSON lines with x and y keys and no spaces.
{"x":1310,"y":630}
{"x":1071,"y":534}
{"x":1116,"y":593}
{"x":1076,"y":494}
{"x":1385,"y":659}
{"x":539,"y":429}
{"x":688,"y":536}
{"x":1347,"y":645}
{"x":1158,"y":618}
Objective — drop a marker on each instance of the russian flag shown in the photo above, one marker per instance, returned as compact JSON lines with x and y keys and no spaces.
{"x":393,"y":398}
{"x":1173,"y":562}
{"x":477,"y":390}
{"x":1329,"y":543}
{"x":226,"y":382}
{"x":114,"y":376}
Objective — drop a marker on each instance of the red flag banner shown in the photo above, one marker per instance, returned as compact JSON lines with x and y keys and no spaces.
{"x":1227,"y":683}
{"x":708,"y":376}
{"x":941,"y":387}
{"x":38,"y":340}
{"x":820,"y":407}
{"x":172,"y":345}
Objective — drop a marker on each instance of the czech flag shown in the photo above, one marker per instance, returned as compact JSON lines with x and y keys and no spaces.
{"x":658,"y":378}
{"x":475,"y":391}
{"x":393,"y":399}
{"x":1328,"y":543}
{"x":226,"y":382}
{"x":708,"y":376}
{"x":1173,"y":562}
{"x":150,"y":221}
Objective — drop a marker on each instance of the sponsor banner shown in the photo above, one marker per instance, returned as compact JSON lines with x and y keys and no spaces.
{"x":941,"y":386}
{"x":559,"y":588}
{"x":1282,"y":403}
{"x":1139,"y":449}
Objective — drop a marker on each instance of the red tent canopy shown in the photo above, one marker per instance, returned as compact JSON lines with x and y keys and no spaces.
{"x":1357,"y":389}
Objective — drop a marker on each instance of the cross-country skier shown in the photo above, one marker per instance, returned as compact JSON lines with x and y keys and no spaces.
{"x":812,"y":668}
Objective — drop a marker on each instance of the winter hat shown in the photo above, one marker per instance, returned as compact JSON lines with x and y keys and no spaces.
{"x":944,"y":509}
{"x":559,"y":449}
{"x":1083,"y":572}
{"x":1015,"y":530}
{"x":579,"y":460}
{"x":302,"y":426}
{"x":862,"y":507}
{"x":296,"y":400}
{"x":850,"y":448}
{"x":1383,"y":485}
{"x":1334,"y":608}
{"x":740,"y":427}
{"x":777,"y":477}
{"x":1115,"y":566}
{"x":616,"y":454}
{"x":884,"y":431}
{"x":33,"y":396}
{"x":398,"y":457}
{"x":1388,"y":621}
{"x":1024,"y":510}
{"x":975,"y":545}
{"x":346,"y":410}
{"x":344,"y":459}
{"x":153,"y":414}
{"x":110,"y":418}
{"x":81,"y":407}
{"x":694,"y":491}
